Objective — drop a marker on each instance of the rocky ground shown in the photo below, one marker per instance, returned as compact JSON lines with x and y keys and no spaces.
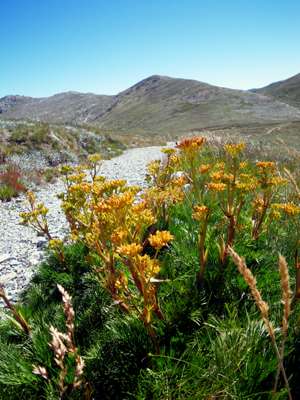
{"x":21,"y":249}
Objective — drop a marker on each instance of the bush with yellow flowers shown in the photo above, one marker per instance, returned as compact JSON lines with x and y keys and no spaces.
{"x":227,"y":195}
{"x":176,"y":288}
{"x":106,"y":216}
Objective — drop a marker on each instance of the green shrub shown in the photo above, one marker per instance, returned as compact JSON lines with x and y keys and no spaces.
{"x":7,"y":192}
{"x":211,"y":342}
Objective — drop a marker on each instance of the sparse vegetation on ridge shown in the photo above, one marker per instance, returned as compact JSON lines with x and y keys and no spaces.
{"x":179,"y":295}
{"x":67,"y":142}
{"x":34,"y":151}
{"x":160,"y":106}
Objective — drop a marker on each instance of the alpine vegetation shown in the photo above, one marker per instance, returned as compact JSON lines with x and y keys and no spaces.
{"x":185,"y":289}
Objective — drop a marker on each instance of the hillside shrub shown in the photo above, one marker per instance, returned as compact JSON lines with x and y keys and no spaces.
{"x":11,"y":184}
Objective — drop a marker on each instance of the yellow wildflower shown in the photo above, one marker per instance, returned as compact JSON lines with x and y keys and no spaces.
{"x":66,"y":170}
{"x":130,"y":250}
{"x":160,"y":239}
{"x":265,"y":165}
{"x":173,"y":160}
{"x":217,"y":176}
{"x":220,"y":165}
{"x":204,"y":168}
{"x":94,"y":158}
{"x":55,"y":244}
{"x":275,"y":214}
{"x":180,"y":181}
{"x":234,"y":149}
{"x":118,"y":236}
{"x":246,"y":186}
{"x":169,"y":151}
{"x":289,"y":208}
{"x":228,"y":178}
{"x":153,"y":167}
{"x":216,"y":186}
{"x":192,"y":143}
{"x":243,"y":164}
{"x":200,"y":213}
{"x":149,"y":267}
{"x":77,"y":178}
{"x":277,"y":180}
{"x":258,"y":204}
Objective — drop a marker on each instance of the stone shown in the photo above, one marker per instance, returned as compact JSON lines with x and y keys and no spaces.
{"x":7,"y":277}
{"x":4,"y":257}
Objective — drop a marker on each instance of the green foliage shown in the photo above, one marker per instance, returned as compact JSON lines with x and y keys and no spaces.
{"x":31,"y":136}
{"x":115,"y":360}
{"x":211,"y":342}
{"x":11,"y":184}
{"x":7,"y":192}
{"x":225,"y":359}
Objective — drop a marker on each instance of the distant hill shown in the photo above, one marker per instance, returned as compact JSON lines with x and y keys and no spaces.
{"x":69,"y":107}
{"x":287,"y":91}
{"x":156,"y":105}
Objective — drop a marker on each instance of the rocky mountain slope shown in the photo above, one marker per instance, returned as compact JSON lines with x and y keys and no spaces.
{"x":155,"y":105}
{"x":287,"y":90}
{"x":69,"y":107}
{"x":51,"y":144}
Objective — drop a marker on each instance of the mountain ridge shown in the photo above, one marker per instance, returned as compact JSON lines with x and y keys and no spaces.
{"x":287,"y":90}
{"x":153,"y":105}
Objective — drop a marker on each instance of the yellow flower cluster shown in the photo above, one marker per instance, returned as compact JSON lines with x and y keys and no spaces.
{"x":55,"y":244}
{"x":165,"y":187}
{"x":258,"y":204}
{"x":243,"y":164}
{"x":246,"y":182}
{"x":36,"y":216}
{"x":169,"y":151}
{"x":204,"y":168}
{"x":153,"y":167}
{"x":217,"y":175}
{"x":216,"y":186}
{"x":160,"y":239}
{"x":290,"y":209}
{"x":200,"y":213}
{"x":193,"y":143}
{"x":234,"y":149}
{"x":130,"y":250}
{"x":94,"y":158}
{"x":266,"y":165}
{"x":106,"y":216}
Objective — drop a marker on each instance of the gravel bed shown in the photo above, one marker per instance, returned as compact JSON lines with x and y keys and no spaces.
{"x":21,"y":249}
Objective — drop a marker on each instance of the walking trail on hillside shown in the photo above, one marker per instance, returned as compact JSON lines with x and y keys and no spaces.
{"x":21,"y":249}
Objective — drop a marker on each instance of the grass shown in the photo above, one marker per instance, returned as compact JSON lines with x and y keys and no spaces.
{"x":216,"y":333}
{"x":11,"y":184}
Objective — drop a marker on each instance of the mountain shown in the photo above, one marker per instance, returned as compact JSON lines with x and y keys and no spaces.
{"x":69,"y":107}
{"x":162,"y":104}
{"x":156,"y":105}
{"x":287,"y":90}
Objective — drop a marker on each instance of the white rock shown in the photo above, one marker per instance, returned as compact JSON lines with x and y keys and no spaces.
{"x":7,"y":277}
{"x":4,"y":257}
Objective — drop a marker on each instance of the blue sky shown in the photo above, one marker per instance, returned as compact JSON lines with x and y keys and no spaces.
{"x":50,"y":46}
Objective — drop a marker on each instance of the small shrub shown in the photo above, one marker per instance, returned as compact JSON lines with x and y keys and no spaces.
{"x":7,"y":193}
{"x":3,"y":154}
{"x":50,"y":174}
{"x":10,"y":183}
{"x":40,"y":134}
{"x":20,"y":134}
